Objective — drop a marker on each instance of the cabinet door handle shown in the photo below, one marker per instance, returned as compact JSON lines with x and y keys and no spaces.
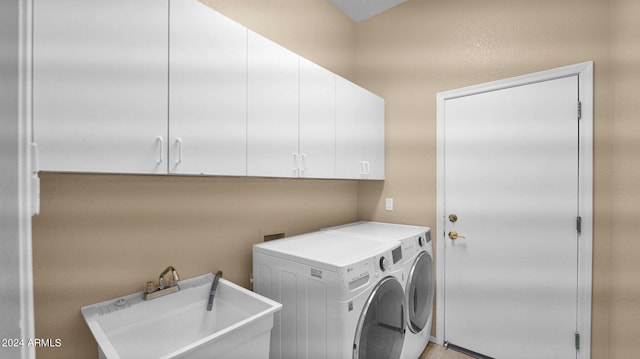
{"x":179,"y":150}
{"x":304,"y":162}
{"x":296,"y":164}
{"x":361,"y":168}
{"x":367,"y":167}
{"x":160,"y":142}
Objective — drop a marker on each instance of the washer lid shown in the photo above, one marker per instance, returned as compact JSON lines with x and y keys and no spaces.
{"x":329,"y":250}
{"x":380,"y":230}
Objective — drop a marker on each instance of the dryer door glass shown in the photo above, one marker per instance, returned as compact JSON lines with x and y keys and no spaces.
{"x":420,"y":287}
{"x":380,"y":332}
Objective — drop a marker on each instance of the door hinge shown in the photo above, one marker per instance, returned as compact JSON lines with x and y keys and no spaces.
{"x":577,"y":341}
{"x":579,"y":110}
{"x":579,"y":224}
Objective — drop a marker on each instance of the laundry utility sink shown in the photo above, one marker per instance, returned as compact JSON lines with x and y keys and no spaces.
{"x":178,"y":325}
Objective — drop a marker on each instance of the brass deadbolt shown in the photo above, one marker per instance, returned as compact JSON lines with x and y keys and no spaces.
{"x":453,"y":218}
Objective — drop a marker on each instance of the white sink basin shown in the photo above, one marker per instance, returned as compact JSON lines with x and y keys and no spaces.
{"x":178,"y":325}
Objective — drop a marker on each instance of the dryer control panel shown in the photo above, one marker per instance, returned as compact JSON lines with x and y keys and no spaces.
{"x":416,"y":244}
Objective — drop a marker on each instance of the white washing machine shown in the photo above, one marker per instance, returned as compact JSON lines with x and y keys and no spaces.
{"x":419,"y":285}
{"x":341,"y":296}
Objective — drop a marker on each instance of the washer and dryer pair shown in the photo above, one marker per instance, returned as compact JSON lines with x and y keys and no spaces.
{"x":349,"y":292}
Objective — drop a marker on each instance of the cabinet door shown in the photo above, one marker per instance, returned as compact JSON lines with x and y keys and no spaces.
{"x":272,"y":111}
{"x":100,"y":85}
{"x":359,"y":132}
{"x":371,"y":114}
{"x":317,"y":121}
{"x":207,"y":91}
{"x":349,"y":134}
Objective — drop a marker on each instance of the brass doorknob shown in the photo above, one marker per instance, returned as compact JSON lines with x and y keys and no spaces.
{"x":453,"y":218}
{"x":454,"y":235}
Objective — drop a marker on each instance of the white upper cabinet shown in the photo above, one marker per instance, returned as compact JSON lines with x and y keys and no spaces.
{"x":207,"y":91}
{"x":272,"y":111}
{"x":359,"y":132}
{"x":317,"y":121}
{"x":158,"y":86}
{"x":100,"y":85}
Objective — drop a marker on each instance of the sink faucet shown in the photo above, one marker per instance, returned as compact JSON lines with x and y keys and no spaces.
{"x":174,"y":275}
{"x":151,"y":291}
{"x":214,"y":287}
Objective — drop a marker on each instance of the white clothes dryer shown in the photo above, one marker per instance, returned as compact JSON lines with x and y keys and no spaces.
{"x":418,"y":270}
{"x":340,"y":296}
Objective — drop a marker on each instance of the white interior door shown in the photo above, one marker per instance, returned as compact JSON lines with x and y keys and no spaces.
{"x":511,"y":178}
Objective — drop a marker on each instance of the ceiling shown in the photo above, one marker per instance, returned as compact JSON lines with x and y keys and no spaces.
{"x":359,"y":10}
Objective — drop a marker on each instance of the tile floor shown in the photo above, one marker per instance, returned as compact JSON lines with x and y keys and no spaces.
{"x":435,"y":351}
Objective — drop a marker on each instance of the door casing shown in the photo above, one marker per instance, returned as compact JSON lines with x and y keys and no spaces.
{"x":584,"y":71}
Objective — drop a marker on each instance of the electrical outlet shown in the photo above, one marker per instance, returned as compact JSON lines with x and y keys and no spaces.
{"x":388,"y":204}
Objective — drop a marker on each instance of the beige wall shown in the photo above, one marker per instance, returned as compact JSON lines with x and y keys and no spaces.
{"x":103,"y":236}
{"x":420,"y":48}
{"x":624,"y":324}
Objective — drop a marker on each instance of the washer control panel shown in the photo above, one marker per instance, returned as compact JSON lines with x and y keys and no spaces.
{"x":359,"y":274}
{"x":386,"y":260}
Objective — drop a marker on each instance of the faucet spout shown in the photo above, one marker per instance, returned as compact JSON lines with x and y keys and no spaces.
{"x":174,"y":275}
{"x":214,"y":286}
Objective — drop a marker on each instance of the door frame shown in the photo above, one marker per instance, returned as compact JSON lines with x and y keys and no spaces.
{"x":18,"y":193}
{"x":584,"y":71}
{"x":29,"y":183}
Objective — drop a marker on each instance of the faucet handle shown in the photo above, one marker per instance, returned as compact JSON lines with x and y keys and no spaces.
{"x":150,"y":287}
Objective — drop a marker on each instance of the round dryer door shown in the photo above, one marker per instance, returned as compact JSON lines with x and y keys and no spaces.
{"x":420,"y":287}
{"x":380,"y":332}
